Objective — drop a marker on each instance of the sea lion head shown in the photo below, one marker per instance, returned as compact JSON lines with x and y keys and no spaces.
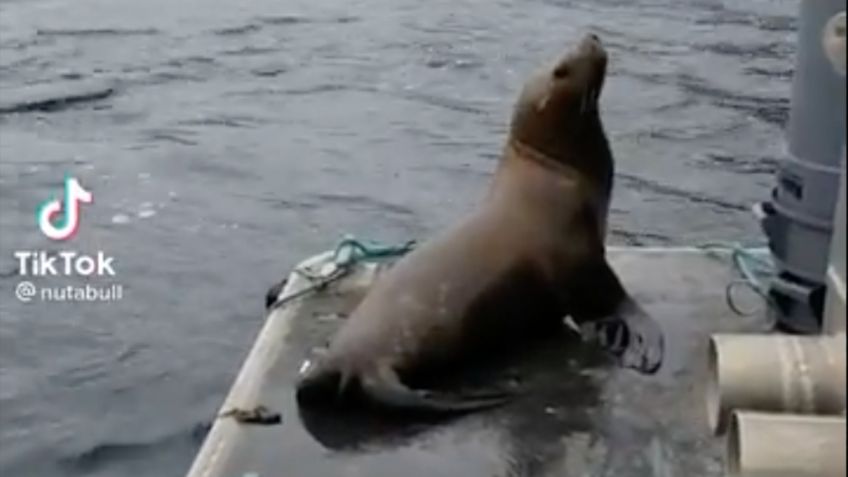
{"x":557,"y":112}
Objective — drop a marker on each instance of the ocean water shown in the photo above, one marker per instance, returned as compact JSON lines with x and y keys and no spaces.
{"x":232,"y":139}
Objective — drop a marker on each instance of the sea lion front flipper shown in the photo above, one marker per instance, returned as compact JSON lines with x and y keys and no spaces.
{"x":385,"y":388}
{"x":609,"y":317}
{"x":631,"y":335}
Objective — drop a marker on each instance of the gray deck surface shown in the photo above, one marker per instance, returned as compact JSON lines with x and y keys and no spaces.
{"x":578,"y":417}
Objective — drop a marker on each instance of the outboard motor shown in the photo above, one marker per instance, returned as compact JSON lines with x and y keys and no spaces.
{"x":798,"y":220}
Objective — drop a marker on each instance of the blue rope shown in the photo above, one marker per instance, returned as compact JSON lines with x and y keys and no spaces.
{"x":352,"y":250}
{"x":754,"y":264}
{"x":349,"y":252}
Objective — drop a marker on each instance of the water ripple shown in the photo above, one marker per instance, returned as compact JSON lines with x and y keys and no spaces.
{"x":250,"y":50}
{"x":372,"y":203}
{"x":238,"y":30}
{"x":771,"y":110}
{"x":639,"y":183}
{"x":780,"y":73}
{"x":52,"y":97}
{"x":98,"y":32}
{"x":173,"y":135}
{"x":738,"y":164}
{"x":269,"y":71}
{"x":768,"y":23}
{"x":639,"y":238}
{"x":223,"y":120}
{"x":101,"y":455}
{"x":283,"y":20}
{"x":451,"y":104}
{"x":767,"y":109}
{"x":772,"y":50}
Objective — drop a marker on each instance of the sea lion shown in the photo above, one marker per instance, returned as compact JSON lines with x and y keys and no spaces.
{"x":530,"y":255}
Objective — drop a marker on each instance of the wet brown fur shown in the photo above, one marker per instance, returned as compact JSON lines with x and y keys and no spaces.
{"x":531,"y":254}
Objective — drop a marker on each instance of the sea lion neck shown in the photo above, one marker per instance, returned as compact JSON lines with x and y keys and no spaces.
{"x":587,"y":153}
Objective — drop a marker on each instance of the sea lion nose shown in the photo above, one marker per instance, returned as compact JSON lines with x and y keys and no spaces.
{"x":592,"y":40}
{"x":591,"y":43}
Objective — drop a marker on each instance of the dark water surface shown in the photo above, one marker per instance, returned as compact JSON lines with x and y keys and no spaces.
{"x":228,"y":140}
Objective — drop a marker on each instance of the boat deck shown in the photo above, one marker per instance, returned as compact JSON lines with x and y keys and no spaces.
{"x":578,"y":416}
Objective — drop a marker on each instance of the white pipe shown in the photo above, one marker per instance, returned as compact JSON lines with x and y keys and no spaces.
{"x":776,"y":373}
{"x":785,"y":445}
{"x":834,"y":311}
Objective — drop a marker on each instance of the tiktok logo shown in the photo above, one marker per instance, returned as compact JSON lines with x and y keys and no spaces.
{"x":67,"y":226}
{"x":59,"y":219}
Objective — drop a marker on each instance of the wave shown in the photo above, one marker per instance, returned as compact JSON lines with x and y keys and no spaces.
{"x":772,"y":73}
{"x":12,"y":272}
{"x":772,"y":50}
{"x":97,"y":32}
{"x":771,"y":110}
{"x":640,"y":183}
{"x":441,"y":102}
{"x":281,"y":20}
{"x":223,"y":120}
{"x":640,"y":239}
{"x":251,"y":50}
{"x":768,"y":23}
{"x":354,"y":201}
{"x":739,"y":165}
{"x":100,"y":455}
{"x":53,"y":97}
{"x":172,"y":136}
{"x":296,"y":19}
{"x":269,"y":71}
{"x":238,"y":30}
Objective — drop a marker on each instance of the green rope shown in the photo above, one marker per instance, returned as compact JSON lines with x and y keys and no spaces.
{"x":348,"y":253}
{"x":351,"y":251}
{"x":754,"y":264}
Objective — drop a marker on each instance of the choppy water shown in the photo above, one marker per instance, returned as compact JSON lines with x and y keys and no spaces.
{"x":241,"y":137}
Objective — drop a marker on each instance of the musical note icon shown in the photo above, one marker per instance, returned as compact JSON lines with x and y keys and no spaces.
{"x":67,"y":226}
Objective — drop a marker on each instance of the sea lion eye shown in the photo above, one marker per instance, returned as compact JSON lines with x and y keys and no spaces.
{"x":561,"y":71}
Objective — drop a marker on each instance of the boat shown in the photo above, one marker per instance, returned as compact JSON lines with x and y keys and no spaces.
{"x":580,"y":415}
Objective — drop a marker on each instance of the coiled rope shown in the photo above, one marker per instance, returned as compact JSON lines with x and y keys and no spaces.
{"x":755,"y":266}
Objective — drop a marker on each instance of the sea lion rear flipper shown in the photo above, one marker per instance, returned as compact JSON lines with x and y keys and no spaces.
{"x":386,"y":389}
{"x":618,"y":324}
